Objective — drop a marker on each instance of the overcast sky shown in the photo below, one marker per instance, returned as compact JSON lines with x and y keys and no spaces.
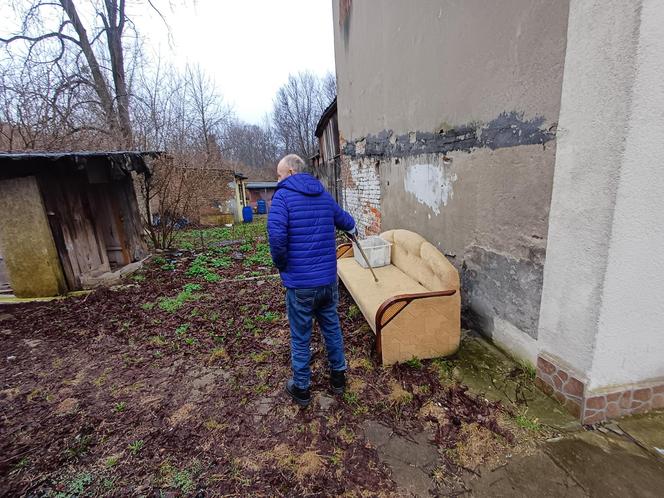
{"x":248,"y":46}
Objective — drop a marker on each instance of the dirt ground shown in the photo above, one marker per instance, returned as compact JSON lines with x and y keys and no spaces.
{"x":172,"y":383}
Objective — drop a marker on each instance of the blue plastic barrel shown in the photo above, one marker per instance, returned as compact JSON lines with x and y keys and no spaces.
{"x":262,"y":207}
{"x":247,"y":214}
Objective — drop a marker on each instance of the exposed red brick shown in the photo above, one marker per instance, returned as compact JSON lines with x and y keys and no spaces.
{"x":574,"y":387}
{"x":560,"y":397}
{"x":642,"y":394}
{"x":657,"y":401}
{"x":613,"y":410}
{"x":545,"y":365}
{"x":563,"y":375}
{"x":658,"y":389}
{"x":596,"y":403}
{"x":613,"y":397}
{"x":635,"y":404}
{"x":625,"y":399}
{"x":594,"y":417}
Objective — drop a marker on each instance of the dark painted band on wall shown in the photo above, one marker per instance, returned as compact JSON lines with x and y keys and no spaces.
{"x":507,"y":130}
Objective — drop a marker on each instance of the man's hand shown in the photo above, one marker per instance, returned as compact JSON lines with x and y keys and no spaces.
{"x":352,"y":232}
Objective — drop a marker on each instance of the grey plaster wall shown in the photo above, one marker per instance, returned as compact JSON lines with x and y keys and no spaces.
{"x":456,"y":105}
{"x":433,"y":64}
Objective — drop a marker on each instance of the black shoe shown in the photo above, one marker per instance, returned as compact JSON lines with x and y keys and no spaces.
{"x":338,"y":381}
{"x":301,"y":396}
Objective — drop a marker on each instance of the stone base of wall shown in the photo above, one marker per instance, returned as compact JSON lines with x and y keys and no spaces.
{"x":592,"y":407}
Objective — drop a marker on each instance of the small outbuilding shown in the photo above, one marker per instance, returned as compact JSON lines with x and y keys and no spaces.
{"x":260,"y":191}
{"x":68,"y":218}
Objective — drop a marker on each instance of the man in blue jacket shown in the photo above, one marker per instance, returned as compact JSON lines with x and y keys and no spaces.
{"x":301,"y":230}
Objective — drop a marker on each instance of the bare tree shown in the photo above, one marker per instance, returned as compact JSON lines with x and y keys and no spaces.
{"x":93,"y":55}
{"x":328,"y":89}
{"x":296,"y":110}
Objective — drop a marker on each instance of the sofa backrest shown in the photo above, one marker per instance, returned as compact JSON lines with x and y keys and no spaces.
{"x":421,"y":261}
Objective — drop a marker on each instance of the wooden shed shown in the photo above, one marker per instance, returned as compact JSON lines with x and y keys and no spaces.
{"x":68,"y":218}
{"x":326,"y":163}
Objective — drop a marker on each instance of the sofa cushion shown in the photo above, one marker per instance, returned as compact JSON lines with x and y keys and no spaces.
{"x":367,"y":293}
{"x":421,"y":261}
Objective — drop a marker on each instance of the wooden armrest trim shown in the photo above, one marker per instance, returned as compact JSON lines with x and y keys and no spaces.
{"x":385,"y":315}
{"x":342,"y":249}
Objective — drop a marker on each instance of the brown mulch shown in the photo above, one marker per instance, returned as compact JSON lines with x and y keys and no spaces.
{"x":111,"y":394}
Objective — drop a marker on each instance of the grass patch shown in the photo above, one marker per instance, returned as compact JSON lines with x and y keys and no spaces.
{"x":172,"y":304}
{"x":414,"y":362}
{"x":182,"y":329}
{"x":111,"y":461}
{"x":525,"y":422}
{"x":259,"y":357}
{"x":353,"y":311}
{"x":268,"y":316}
{"x":77,"y":486}
{"x":136,"y":446}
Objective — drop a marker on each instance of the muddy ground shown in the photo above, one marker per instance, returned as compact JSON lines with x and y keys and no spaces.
{"x":172,"y":383}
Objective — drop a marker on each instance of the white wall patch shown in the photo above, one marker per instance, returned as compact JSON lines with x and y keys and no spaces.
{"x":430,"y":184}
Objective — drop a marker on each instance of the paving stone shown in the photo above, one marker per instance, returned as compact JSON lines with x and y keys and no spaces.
{"x":533,"y":475}
{"x":409,"y":479}
{"x":420,"y":453}
{"x":608,"y":466}
{"x":326,"y":402}
{"x":377,"y":434}
{"x":648,"y":430}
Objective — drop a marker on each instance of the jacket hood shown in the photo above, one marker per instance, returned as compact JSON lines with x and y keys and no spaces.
{"x":303,"y":183}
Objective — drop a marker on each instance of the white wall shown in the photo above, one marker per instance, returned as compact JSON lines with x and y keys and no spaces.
{"x":630,"y":342}
{"x":603,"y":299}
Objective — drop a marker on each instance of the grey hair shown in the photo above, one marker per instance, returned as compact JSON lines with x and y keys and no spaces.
{"x":294,"y":162}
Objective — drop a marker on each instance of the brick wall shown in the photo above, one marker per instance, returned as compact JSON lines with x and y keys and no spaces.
{"x":361,"y":193}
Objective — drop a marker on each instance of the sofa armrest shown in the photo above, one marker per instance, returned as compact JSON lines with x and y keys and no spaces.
{"x":345,"y":251}
{"x":394,"y":305}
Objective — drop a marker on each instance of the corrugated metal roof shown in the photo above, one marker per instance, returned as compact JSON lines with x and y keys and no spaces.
{"x":261,"y":184}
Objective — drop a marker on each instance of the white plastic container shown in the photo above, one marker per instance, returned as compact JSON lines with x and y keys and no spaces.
{"x":377,"y":250}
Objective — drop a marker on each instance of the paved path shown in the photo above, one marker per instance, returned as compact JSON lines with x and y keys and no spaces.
{"x":621,"y":459}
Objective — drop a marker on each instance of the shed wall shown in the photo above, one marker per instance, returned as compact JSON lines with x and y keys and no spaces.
{"x":27,"y":244}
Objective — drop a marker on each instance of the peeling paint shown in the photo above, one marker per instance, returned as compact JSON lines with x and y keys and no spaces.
{"x":430,"y":184}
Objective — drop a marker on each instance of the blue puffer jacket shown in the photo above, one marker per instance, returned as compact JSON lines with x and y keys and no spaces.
{"x":300,"y":228}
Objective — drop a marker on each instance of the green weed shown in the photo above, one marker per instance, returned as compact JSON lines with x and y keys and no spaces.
{"x":138,"y":278}
{"x":172,"y":304}
{"x":183,"y":481}
{"x":214,"y":316}
{"x":182,"y":329}
{"x":259,"y":357}
{"x":147,"y":306}
{"x":120,"y":406}
{"x":414,"y":362}
{"x":136,"y":446}
{"x":246,"y":247}
{"x":353,"y":311}
{"x":77,"y":485}
{"x":525,"y":422}
{"x":224,"y":262}
{"x":111,"y":461}
{"x":269,"y":316}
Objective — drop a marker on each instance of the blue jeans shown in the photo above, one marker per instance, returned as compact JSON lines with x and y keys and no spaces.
{"x":303,"y":305}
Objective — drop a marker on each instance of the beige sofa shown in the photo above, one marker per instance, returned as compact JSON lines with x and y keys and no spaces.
{"x":414,"y":309}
